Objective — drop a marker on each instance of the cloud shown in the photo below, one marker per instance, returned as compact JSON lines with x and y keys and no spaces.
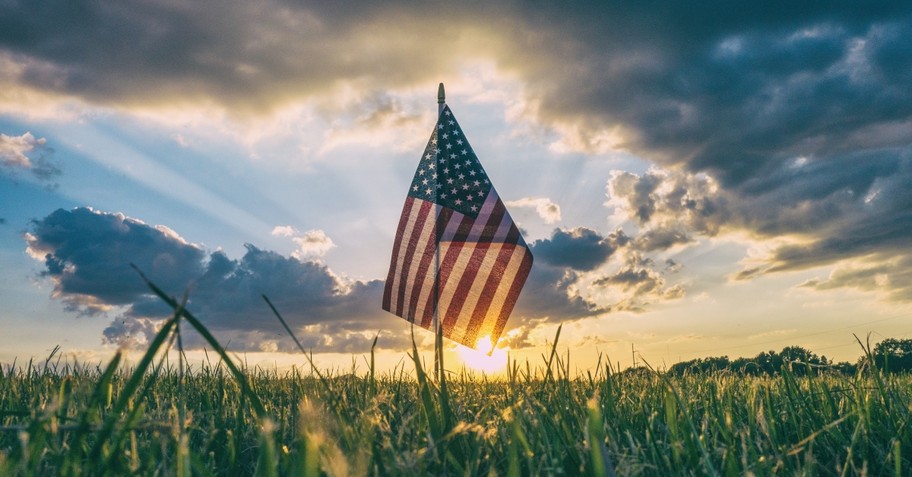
{"x":640,"y":282}
{"x":26,"y":152}
{"x":546,"y":209}
{"x":579,"y":248}
{"x":668,"y":205}
{"x":311,"y":244}
{"x":891,"y":277}
{"x":570,"y":278}
{"x":87,"y":255}
{"x":284,"y":231}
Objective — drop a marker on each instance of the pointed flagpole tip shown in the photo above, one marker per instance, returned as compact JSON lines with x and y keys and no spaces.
{"x":441,"y":96}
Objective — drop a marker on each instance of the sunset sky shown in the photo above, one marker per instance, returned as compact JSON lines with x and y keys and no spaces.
{"x":695,"y":179}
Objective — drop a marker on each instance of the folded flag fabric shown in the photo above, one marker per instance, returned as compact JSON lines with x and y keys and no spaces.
{"x":456,"y":247}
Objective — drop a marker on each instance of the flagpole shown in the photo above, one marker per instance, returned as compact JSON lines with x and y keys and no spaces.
{"x":438,"y":336}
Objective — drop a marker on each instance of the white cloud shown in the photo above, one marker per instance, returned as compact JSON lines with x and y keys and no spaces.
{"x":549,"y":211}
{"x":14,"y":150}
{"x":312,"y":244}
{"x":284,"y":231}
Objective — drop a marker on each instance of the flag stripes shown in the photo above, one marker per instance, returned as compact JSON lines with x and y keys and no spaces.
{"x":482,"y":260}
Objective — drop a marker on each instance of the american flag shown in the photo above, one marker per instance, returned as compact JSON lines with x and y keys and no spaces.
{"x":483,"y":260}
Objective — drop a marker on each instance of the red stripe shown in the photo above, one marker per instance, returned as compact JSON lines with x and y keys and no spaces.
{"x":512,"y":296}
{"x":479,"y":315}
{"x":490,"y":228}
{"x":403,"y":220}
{"x":405,"y":275}
{"x":462,"y":232}
{"x":513,"y":235}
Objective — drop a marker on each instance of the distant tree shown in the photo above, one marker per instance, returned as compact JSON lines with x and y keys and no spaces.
{"x":893,"y":356}
{"x":845,"y":368}
{"x":697,"y":366}
{"x":802,"y":361}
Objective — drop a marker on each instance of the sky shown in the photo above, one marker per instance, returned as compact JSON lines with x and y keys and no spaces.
{"x":719,"y":178}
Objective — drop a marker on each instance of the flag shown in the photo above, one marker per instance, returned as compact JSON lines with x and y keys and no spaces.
{"x":483,"y":261}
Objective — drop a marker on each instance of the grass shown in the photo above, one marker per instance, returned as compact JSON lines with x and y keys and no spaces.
{"x":164,"y":418}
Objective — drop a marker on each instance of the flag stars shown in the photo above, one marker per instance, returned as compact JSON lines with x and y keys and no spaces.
{"x":449,"y":173}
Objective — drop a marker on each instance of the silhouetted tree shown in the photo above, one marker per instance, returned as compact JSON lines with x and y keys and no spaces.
{"x":893,"y":356}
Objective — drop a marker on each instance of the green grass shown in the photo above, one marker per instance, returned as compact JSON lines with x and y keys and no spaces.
{"x":164,"y":418}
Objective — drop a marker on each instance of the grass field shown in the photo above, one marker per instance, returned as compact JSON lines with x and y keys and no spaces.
{"x":158,"y":417}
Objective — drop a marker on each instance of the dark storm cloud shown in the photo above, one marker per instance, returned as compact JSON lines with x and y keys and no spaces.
{"x":87,"y":254}
{"x":247,"y":56}
{"x":580,"y":248}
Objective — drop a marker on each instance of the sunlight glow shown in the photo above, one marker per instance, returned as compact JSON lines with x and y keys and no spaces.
{"x":478,"y":360}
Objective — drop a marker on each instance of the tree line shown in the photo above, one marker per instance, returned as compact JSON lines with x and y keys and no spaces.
{"x":890,"y":356}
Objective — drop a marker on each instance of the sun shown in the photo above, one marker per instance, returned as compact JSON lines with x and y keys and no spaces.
{"x":478,"y":359}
